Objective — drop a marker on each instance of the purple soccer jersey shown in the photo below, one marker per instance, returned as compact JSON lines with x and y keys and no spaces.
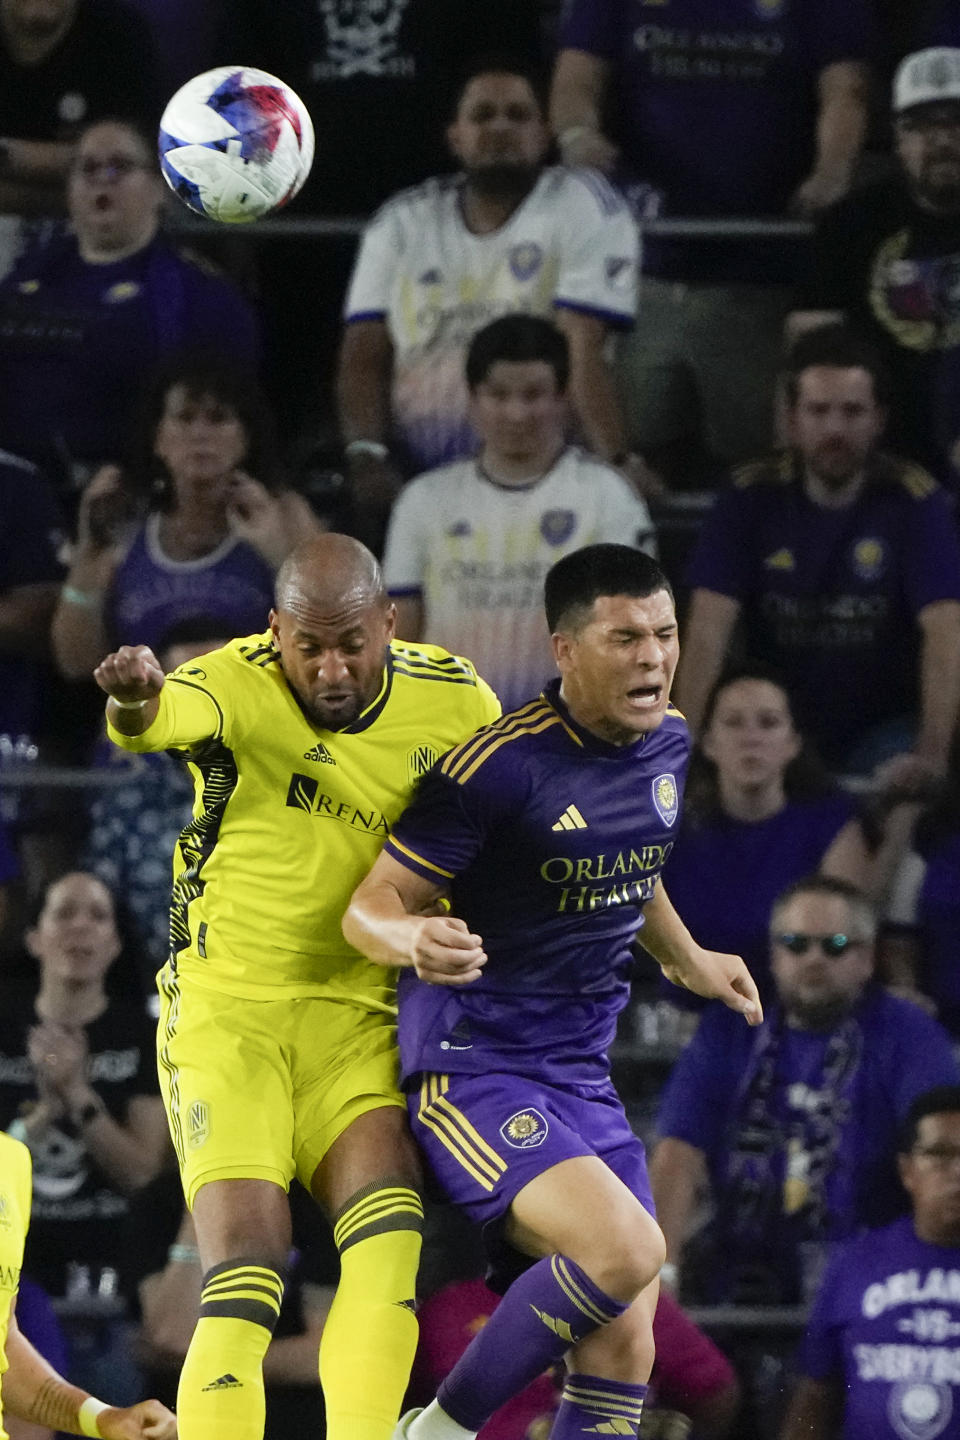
{"x":552,"y":841}
{"x":232,"y":587}
{"x":885,"y":1324}
{"x":830,"y":596}
{"x":715,"y":101}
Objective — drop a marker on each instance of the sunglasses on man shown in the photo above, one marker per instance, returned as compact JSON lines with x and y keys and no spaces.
{"x":832,"y":946}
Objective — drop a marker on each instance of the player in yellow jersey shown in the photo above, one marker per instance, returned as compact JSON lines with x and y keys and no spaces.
{"x":30,"y":1388}
{"x":276,"y":1042}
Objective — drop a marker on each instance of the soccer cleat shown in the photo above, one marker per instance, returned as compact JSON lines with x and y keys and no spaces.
{"x":402,"y":1431}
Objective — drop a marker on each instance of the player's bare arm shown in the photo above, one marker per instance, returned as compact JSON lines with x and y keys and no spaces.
{"x":706,"y":972}
{"x":34,"y":1391}
{"x":133,"y":678}
{"x":385,"y":920}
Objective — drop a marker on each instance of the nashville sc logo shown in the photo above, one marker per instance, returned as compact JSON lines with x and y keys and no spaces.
{"x":305,"y":793}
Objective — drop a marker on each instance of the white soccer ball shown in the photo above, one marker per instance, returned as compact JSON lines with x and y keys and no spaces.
{"x":235,"y":143}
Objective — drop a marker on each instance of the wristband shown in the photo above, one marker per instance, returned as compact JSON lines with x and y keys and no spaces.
{"x":129,"y":704}
{"x":375,"y":449}
{"x":87,"y":1417}
{"x":86,"y":599}
{"x":184,"y":1254}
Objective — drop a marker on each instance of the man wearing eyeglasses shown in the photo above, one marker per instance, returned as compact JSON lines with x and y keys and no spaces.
{"x":881,"y":1351}
{"x":793,"y":1126}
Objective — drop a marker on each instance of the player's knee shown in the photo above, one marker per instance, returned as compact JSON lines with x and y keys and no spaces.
{"x":624,"y":1256}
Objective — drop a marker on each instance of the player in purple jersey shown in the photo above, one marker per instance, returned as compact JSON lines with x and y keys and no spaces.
{"x":548,"y":831}
{"x":880,"y":1359}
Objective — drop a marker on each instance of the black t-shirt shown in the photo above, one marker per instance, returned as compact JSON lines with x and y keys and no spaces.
{"x":378,"y":79}
{"x":894,"y":268}
{"x":76,"y":1208}
{"x":104,"y":66}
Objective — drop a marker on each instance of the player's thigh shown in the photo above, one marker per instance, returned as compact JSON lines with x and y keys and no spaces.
{"x":349,"y":1114}
{"x":556,"y":1172}
{"x":226,"y":1084}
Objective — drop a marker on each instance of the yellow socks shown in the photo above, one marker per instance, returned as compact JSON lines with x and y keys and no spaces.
{"x":220,"y":1396}
{"x":370,"y":1337}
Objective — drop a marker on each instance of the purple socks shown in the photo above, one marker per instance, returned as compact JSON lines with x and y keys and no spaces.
{"x":591,"y":1406}
{"x":549,"y":1308}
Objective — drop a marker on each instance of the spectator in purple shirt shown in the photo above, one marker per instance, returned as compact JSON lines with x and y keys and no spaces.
{"x":713,"y":108}
{"x":879,"y":1360}
{"x":216,"y":530}
{"x":85,"y":319}
{"x":843,"y":565}
{"x":793,"y":1126}
{"x":760,"y":811}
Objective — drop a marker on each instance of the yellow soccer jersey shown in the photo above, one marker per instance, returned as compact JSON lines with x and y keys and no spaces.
{"x":288,"y":817}
{"x":14,"y":1221}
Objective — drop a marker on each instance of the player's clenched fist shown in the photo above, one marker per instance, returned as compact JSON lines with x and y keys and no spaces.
{"x":131,"y":674}
{"x":147,"y":1421}
{"x":444,"y":952}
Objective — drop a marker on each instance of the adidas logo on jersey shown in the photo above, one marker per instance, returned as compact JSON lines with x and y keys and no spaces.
{"x":319,"y":753}
{"x":226,"y":1382}
{"x":571,"y":819}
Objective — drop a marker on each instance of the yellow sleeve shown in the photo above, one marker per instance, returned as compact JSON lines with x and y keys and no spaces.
{"x":489,"y":704}
{"x":188,"y":714}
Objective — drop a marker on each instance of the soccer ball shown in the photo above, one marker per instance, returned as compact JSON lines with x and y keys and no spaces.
{"x":235,"y":143}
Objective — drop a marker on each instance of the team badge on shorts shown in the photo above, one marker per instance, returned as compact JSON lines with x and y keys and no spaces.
{"x":198,"y":1124}
{"x":525,"y":1130}
{"x":665,"y":798}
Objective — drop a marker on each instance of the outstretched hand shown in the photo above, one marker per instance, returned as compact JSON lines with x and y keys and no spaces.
{"x":716,"y":976}
{"x":444,"y":952}
{"x":131,"y":673}
{"x":147,"y":1421}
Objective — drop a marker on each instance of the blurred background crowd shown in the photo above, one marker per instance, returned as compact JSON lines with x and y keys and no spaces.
{"x":678,"y":273}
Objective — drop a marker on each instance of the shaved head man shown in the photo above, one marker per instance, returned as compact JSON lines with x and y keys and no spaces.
{"x":332,"y":623}
{"x":277,"y":1038}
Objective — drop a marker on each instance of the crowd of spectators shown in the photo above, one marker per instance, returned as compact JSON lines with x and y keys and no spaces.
{"x":520,"y":355}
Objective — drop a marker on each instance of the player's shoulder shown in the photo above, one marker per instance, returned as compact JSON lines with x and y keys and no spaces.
{"x":504,"y":747}
{"x":583,"y":188}
{"x":590,"y":469}
{"x":239,"y":662}
{"x":415,"y":661}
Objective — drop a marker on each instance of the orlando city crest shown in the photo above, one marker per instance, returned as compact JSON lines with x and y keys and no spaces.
{"x":665,"y":798}
{"x":525,"y":1130}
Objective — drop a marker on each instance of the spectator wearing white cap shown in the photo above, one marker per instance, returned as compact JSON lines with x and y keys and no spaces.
{"x":887,"y":258}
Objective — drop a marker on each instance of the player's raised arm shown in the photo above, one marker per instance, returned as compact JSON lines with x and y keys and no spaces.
{"x":685,"y":963}
{"x":133,"y":678}
{"x":386,"y":920}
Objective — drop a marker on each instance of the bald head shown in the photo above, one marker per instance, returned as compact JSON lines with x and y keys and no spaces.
{"x":330,"y":573}
{"x":332,"y":623}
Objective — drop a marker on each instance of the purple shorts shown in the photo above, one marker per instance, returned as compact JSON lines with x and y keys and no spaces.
{"x":487,"y":1136}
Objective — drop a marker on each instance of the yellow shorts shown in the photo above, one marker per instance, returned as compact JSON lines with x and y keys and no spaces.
{"x":260,"y":1089}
